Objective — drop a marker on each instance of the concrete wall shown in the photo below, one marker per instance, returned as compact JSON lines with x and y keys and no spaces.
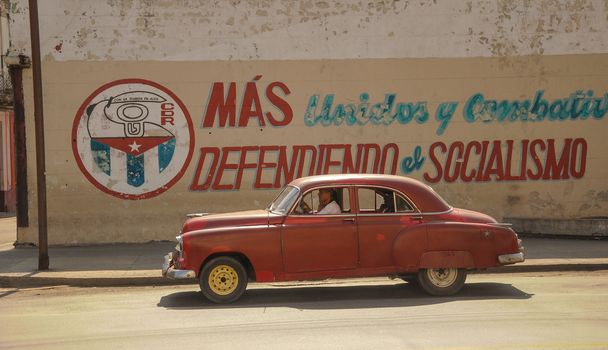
{"x":500,"y":105}
{"x":189,"y":30}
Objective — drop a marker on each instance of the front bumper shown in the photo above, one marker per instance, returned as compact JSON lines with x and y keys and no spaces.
{"x":170,"y":272}
{"x":511,"y":258}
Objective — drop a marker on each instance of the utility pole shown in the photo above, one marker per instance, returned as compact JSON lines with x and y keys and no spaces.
{"x":43,"y":247}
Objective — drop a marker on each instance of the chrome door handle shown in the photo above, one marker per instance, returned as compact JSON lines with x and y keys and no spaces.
{"x":416,"y":217}
{"x":349,"y":220}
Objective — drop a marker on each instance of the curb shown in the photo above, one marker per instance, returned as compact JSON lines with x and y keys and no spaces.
{"x":32,"y":282}
{"x":545,"y":268}
{"x":7,"y":281}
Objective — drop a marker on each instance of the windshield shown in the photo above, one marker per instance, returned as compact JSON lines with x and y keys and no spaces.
{"x":284,"y":200}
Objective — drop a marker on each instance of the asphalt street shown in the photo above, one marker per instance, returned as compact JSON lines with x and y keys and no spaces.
{"x":494,"y":311}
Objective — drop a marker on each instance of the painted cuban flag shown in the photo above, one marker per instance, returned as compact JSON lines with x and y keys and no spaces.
{"x":136,"y":151}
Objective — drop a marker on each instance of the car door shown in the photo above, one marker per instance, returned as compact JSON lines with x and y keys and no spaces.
{"x":381,"y":215}
{"x":318,"y":242}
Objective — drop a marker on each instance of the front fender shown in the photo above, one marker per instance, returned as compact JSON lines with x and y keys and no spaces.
{"x":261,"y":245}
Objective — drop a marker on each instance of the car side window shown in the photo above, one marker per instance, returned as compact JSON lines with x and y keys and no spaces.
{"x":369,"y":200}
{"x":306,"y":204}
{"x":402,"y":205}
{"x":324,"y":201}
{"x":381,"y":200}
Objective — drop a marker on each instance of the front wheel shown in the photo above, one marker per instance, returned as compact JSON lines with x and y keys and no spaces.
{"x":443,"y":281}
{"x":223,"y":280}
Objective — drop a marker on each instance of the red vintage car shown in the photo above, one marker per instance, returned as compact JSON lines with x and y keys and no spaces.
{"x":342,"y":226}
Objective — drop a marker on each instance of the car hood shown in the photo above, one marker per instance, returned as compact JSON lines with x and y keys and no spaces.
{"x":465,"y":215}
{"x":239,"y":218}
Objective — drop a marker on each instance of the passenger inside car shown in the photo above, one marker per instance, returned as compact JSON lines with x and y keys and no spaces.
{"x":381,"y":200}
{"x":388,"y":206}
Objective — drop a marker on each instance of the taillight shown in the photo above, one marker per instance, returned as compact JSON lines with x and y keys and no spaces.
{"x":520,"y":246}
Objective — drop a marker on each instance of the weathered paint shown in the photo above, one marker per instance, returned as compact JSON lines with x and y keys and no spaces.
{"x":509,"y":90}
{"x":273,"y":29}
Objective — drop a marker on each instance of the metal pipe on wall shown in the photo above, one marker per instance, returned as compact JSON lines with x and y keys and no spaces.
{"x":16,"y":72}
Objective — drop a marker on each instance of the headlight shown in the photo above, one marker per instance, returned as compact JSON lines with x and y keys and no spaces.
{"x":179,"y":245}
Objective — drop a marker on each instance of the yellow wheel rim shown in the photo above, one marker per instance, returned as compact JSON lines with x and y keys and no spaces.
{"x":223,"y":280}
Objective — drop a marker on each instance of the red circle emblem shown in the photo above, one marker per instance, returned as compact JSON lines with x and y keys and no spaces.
{"x":133,"y":138}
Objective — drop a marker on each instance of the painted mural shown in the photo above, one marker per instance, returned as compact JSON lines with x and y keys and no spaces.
{"x":164,"y":111}
{"x":473,"y":161}
{"x":134,"y":138}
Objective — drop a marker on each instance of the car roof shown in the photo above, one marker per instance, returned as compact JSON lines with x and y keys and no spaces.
{"x":423,"y":196}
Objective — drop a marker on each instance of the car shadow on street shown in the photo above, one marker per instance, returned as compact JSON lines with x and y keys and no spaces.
{"x":343,"y":297}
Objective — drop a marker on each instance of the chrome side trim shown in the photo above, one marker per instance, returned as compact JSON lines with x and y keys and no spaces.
{"x":378,"y":214}
{"x":408,"y":214}
{"x":323,"y":215}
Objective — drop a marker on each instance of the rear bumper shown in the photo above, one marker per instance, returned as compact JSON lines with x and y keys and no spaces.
{"x":170,"y":272}
{"x":511,"y":258}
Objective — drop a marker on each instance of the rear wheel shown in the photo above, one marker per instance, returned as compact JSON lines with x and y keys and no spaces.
{"x":223,"y":280}
{"x":443,"y":281}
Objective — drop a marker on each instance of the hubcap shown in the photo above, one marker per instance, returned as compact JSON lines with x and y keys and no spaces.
{"x":442,"y":277}
{"x":223,"y":280}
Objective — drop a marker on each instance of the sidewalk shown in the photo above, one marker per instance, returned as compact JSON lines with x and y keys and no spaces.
{"x":139,"y":264}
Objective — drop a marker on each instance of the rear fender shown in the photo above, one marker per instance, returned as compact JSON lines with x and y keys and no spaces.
{"x":409,"y":245}
{"x":446,"y":259}
{"x":468,"y":244}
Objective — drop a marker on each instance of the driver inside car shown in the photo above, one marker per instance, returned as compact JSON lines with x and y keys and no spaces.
{"x":327,"y":203}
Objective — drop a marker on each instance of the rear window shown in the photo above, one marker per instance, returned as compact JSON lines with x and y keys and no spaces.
{"x":381,"y":200}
